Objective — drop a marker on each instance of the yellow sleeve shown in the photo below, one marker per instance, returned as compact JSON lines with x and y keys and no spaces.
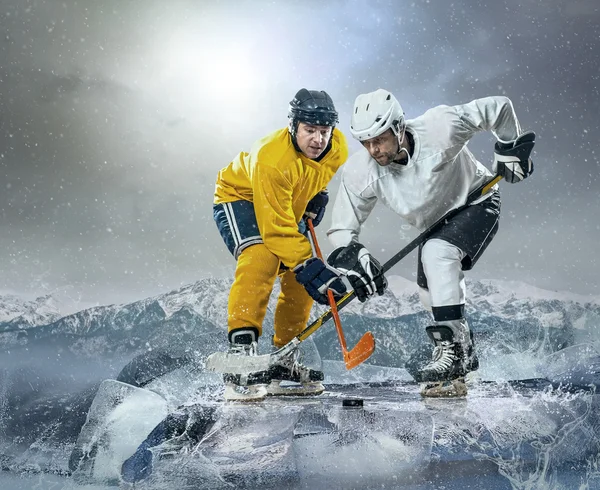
{"x":275,"y":216}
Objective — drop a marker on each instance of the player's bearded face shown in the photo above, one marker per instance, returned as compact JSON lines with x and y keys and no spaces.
{"x":383,"y":148}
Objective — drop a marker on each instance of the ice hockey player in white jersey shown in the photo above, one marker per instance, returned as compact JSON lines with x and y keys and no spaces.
{"x":422,"y":168}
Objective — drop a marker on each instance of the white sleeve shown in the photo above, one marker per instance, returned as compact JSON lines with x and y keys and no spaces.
{"x":495,"y":114}
{"x":349,"y":213}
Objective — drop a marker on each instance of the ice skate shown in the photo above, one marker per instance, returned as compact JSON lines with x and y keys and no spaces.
{"x":239,"y":387}
{"x":452,"y":360}
{"x":290,"y":377}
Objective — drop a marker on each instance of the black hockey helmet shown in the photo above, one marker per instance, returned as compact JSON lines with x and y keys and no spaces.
{"x":312,"y":107}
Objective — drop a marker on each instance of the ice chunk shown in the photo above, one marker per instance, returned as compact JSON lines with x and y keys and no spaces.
{"x":120,"y":418}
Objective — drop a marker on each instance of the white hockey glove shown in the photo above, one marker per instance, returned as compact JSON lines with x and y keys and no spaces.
{"x":511,"y":160}
{"x":362,"y":270}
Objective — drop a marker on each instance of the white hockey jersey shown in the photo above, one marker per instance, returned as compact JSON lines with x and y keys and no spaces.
{"x":439,"y":177}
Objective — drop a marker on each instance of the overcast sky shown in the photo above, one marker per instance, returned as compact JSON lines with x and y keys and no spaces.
{"x":115,"y":117}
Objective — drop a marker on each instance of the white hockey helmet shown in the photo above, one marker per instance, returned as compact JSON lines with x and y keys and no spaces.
{"x":374,"y":113}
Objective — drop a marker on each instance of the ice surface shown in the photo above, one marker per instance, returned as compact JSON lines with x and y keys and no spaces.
{"x":384,"y":443}
{"x":529,"y":435}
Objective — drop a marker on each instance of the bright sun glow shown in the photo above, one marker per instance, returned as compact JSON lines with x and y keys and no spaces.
{"x":210,"y":73}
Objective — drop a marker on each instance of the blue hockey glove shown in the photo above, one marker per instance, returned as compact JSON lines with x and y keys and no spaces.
{"x":317,"y":277}
{"x":315,"y":209}
{"x":511,"y":160}
{"x":362,"y":270}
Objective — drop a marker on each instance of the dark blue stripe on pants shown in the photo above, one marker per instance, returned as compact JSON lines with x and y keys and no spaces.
{"x":237,"y":225}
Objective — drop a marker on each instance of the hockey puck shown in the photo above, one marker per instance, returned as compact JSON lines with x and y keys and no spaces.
{"x":352,"y":402}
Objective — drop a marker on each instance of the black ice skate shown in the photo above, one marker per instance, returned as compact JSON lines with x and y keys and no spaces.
{"x":445,"y":374}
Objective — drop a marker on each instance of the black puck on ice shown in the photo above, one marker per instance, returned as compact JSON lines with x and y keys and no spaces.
{"x":352,"y":402}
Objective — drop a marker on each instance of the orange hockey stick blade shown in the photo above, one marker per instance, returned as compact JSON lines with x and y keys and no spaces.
{"x":360,"y":352}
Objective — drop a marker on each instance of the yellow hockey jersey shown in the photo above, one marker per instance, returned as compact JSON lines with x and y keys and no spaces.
{"x":280,"y":181}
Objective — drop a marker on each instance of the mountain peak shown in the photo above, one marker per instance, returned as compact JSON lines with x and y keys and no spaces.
{"x":498,"y":291}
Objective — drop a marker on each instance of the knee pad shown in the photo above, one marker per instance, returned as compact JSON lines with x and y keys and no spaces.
{"x":443,"y":269}
{"x":437,"y":251}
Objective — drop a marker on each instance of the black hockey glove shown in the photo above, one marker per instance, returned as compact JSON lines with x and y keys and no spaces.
{"x":315,"y":209}
{"x":362,"y":270}
{"x":317,"y":277}
{"x":511,"y":160}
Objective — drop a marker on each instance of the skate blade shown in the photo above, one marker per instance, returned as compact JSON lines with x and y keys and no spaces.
{"x":445,"y":389}
{"x":306,"y":389}
{"x":253,"y":393}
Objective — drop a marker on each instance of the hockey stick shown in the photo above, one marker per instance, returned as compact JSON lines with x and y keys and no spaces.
{"x":366,"y":345}
{"x":235,"y":364}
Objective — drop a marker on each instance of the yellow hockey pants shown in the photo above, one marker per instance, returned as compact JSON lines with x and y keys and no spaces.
{"x":256,"y":271}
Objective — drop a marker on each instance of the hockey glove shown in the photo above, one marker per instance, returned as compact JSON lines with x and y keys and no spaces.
{"x":315,"y":209}
{"x":511,"y":160}
{"x":317,"y":277}
{"x":362,"y":270}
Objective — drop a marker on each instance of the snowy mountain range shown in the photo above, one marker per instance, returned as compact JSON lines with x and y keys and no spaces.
{"x":505,"y":316}
{"x":17,"y":313}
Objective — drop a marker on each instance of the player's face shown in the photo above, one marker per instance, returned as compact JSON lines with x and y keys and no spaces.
{"x":312,"y":140}
{"x":383,"y":148}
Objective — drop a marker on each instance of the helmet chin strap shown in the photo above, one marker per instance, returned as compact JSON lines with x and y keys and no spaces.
{"x":401,"y":149}
{"x":293,"y":129}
